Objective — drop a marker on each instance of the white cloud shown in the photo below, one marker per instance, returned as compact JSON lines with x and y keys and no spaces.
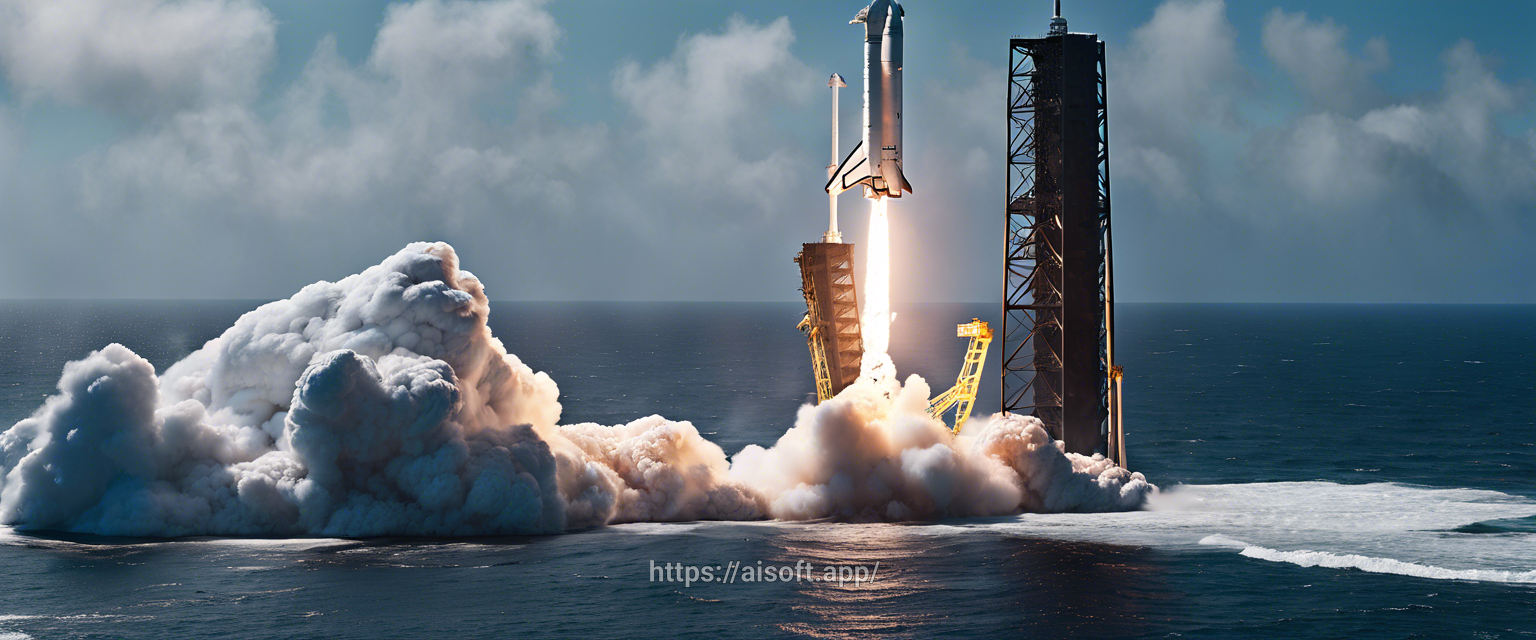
{"x":1342,"y":191}
{"x":706,"y":112}
{"x":475,"y":145}
{"x":966,"y":103}
{"x":1164,"y":177}
{"x":400,"y":137}
{"x":139,"y":57}
{"x":1181,"y":67}
{"x":1179,"y":79}
{"x":1314,"y":55}
{"x":10,"y":142}
{"x":406,"y":135}
{"x":451,"y":125}
{"x":1442,"y":154}
{"x":432,"y":47}
{"x":196,"y":156}
{"x":1350,"y":149}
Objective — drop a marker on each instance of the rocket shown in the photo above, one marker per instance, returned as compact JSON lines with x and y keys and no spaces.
{"x":875,"y":162}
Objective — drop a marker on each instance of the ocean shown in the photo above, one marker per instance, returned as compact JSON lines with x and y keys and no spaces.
{"x":1364,"y":471}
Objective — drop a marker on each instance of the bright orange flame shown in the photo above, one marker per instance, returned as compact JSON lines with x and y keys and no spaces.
{"x":876,"y":319}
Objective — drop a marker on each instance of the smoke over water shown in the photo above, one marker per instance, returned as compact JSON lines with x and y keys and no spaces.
{"x":382,"y":405}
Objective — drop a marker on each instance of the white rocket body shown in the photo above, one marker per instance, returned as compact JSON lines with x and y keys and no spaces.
{"x":876,"y":162}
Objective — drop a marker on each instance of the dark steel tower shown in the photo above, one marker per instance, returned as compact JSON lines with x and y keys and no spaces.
{"x":1058,"y":289}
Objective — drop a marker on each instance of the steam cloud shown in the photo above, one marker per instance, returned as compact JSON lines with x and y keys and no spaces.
{"x":382,"y":405}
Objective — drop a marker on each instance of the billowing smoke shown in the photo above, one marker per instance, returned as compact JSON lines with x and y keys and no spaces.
{"x":874,"y":453}
{"x":382,"y":405}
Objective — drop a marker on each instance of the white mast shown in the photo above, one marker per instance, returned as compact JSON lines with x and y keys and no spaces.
{"x":836,"y":82}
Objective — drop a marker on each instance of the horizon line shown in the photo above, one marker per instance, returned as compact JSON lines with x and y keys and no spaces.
{"x":5,"y":300}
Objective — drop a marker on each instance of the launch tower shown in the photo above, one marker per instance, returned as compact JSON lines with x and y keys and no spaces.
{"x":831,"y":323}
{"x":1058,"y":288}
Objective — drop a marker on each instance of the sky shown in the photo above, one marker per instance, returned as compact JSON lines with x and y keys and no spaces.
{"x":1286,"y":151}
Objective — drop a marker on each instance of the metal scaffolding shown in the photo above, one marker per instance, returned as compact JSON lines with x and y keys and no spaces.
{"x":1058,"y":288}
{"x":962,"y":396}
{"x":831,"y":322}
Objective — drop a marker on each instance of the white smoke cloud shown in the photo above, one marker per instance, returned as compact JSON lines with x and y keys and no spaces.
{"x":377,"y":404}
{"x":657,"y":470}
{"x":874,"y":453}
{"x":382,"y":405}
{"x":138,"y":57}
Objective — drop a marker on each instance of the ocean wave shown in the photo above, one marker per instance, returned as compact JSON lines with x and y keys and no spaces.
{"x":1413,"y":525}
{"x":1307,"y":558}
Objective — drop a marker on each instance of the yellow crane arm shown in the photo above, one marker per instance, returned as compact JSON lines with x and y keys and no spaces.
{"x":962,"y":396}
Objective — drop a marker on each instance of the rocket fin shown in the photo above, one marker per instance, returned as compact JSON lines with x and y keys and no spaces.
{"x":900,"y":183}
{"x":853,"y":171}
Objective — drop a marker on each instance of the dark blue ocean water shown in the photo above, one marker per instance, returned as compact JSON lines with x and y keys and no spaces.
{"x":1334,"y":471}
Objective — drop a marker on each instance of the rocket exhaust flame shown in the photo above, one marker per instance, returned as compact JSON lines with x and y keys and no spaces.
{"x":876,"y":316}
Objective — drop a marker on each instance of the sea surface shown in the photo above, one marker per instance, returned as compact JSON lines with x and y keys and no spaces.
{"x":1329,"y":471}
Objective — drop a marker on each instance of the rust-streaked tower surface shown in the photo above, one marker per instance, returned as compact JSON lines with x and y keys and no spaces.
{"x":1058,"y":296}
{"x":832,"y":306}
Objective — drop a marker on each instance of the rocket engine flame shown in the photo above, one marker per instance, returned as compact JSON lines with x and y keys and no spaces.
{"x":876,"y":320}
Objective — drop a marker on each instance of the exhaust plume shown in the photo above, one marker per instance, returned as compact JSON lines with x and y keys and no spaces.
{"x":876,"y":315}
{"x":382,"y":405}
{"x":874,"y":453}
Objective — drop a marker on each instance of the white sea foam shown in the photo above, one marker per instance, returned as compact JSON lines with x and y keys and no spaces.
{"x":1371,"y":564}
{"x":1391,"y":528}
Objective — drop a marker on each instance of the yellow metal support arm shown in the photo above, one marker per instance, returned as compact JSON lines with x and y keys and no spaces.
{"x":818,"y":358}
{"x":962,"y":396}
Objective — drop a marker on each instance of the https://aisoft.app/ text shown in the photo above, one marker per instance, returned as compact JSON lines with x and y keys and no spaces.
{"x":737,"y":572}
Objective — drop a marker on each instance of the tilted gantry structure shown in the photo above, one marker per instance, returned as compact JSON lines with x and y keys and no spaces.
{"x":831,"y":323}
